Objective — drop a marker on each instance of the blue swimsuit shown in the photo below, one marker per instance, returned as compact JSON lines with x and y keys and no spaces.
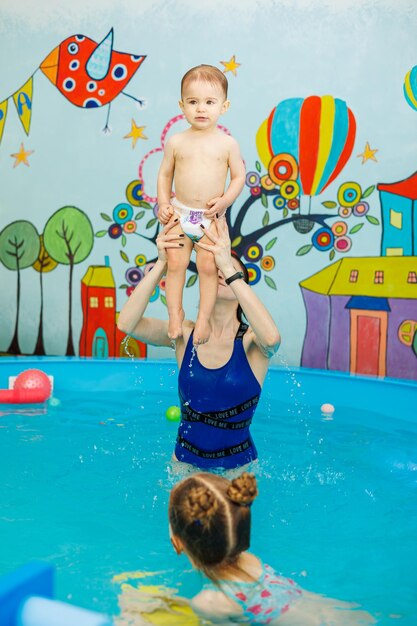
{"x":217,"y":406}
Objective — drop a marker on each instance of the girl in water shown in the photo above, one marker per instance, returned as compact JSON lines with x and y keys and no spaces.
{"x":210,"y":521}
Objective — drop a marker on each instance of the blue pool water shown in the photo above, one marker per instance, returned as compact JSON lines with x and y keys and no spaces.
{"x":85,"y":483}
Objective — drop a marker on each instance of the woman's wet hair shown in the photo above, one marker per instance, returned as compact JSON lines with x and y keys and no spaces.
{"x":211,"y":516}
{"x":239,"y":312}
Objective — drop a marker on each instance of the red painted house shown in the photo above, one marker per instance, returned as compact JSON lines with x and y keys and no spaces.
{"x":100,"y":336}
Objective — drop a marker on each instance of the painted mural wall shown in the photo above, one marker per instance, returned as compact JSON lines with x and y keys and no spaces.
{"x":324,"y":107}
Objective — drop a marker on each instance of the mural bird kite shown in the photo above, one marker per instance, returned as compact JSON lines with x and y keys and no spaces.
{"x":88,"y":74}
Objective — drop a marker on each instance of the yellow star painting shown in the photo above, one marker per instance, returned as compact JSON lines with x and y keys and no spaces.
{"x":368,"y":153}
{"x":136,"y":133}
{"x":21,"y":156}
{"x":231,"y":65}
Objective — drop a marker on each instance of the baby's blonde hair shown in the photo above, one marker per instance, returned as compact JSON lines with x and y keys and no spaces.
{"x":211,"y":516}
{"x":207,"y":73}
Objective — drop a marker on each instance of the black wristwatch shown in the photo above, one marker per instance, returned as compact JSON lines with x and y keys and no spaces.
{"x":234,"y":277}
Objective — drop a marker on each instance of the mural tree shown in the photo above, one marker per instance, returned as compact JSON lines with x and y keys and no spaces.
{"x":303,"y":146}
{"x":43,"y":264}
{"x":19,"y":248}
{"x":68,"y":239}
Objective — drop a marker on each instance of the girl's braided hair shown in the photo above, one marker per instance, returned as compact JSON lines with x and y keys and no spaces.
{"x":211,"y":516}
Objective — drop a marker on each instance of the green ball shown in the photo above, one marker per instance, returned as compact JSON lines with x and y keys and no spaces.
{"x":173,"y":413}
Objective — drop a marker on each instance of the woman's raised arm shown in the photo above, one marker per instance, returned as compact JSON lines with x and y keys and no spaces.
{"x":267,"y":335}
{"x":131,"y":321}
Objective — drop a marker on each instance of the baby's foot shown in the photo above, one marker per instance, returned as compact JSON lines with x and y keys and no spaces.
{"x":176,"y":319}
{"x":201,"y":331}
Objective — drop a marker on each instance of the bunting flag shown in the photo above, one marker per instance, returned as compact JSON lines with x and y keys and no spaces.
{"x":23,"y":102}
{"x":3,"y":115}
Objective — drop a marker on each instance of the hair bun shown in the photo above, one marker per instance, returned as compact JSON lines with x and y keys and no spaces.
{"x":243,"y":490}
{"x":201,"y":504}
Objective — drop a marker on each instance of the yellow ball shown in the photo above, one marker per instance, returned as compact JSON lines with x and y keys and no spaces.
{"x":173,"y":413}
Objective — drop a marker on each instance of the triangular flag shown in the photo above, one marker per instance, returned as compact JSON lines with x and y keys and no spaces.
{"x":3,"y":115}
{"x":23,"y":101}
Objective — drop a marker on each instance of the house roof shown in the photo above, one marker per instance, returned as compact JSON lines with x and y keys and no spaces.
{"x":406,"y":187}
{"x":334,"y":280}
{"x":98,"y":276}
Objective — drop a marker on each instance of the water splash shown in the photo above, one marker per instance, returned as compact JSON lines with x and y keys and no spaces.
{"x":193,"y":355}
{"x":125,"y":344}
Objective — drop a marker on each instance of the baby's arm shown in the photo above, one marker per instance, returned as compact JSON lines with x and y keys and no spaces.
{"x":165,"y":178}
{"x":216,"y":607}
{"x":237,"y":182}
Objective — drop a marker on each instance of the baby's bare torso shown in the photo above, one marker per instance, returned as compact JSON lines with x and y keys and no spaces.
{"x":201,"y":166}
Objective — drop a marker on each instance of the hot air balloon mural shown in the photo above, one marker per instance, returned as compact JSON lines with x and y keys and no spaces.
{"x":308,"y":141}
{"x":410,"y":87}
{"x":87,"y":73}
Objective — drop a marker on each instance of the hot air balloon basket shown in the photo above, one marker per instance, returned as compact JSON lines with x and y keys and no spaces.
{"x":303,"y":225}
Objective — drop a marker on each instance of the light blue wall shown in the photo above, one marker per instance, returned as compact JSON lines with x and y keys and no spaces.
{"x":286,"y":49}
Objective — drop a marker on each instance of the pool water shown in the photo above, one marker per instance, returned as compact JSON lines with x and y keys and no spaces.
{"x":85,"y":484}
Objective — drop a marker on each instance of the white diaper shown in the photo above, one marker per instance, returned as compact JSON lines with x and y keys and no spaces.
{"x":191,"y":219}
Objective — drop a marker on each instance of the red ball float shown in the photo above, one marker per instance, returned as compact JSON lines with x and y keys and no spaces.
{"x":30,"y":387}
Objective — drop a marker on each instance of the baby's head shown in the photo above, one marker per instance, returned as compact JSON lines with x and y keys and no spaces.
{"x":210,"y":519}
{"x":205,"y":73}
{"x":204,"y":96}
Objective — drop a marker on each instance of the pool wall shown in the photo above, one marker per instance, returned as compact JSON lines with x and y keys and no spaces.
{"x":390,"y":397}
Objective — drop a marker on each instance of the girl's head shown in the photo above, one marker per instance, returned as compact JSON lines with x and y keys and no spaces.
{"x":210,"y":519}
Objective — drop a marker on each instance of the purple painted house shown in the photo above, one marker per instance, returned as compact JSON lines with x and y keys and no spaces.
{"x":362,"y":316}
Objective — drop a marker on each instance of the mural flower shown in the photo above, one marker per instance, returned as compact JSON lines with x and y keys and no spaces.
{"x":253,"y":252}
{"x":361,"y":208}
{"x":349,"y":194}
{"x":342,"y":244}
{"x":253,"y":179}
{"x":323,"y":239}
{"x":133,"y":276}
{"x":115,"y":231}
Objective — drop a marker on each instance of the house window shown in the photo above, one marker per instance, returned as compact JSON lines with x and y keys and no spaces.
{"x":396,"y":219}
{"x":108,"y":302}
{"x":412,"y":277}
{"x":353,"y":278}
{"x":93,"y":302}
{"x":379,"y":277}
{"x":406,"y":332}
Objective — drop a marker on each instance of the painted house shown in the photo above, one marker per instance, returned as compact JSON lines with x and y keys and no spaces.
{"x":100,"y":336}
{"x":399,"y":217}
{"x":362,"y":316}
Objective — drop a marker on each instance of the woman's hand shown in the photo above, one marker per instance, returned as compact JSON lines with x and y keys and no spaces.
{"x":166,"y":240}
{"x":221,"y":246}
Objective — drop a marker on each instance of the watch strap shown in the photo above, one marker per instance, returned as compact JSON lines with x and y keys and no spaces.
{"x":234,"y":277}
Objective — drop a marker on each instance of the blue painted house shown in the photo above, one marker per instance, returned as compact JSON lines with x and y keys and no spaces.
{"x":399,"y":217}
